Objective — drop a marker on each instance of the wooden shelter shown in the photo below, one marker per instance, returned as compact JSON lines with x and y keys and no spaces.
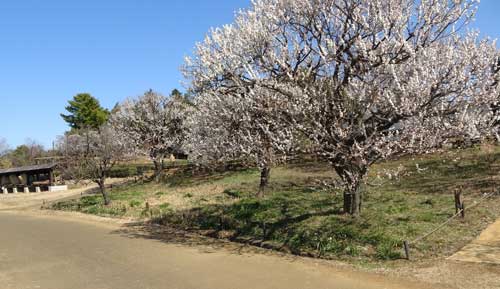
{"x":41,"y":176}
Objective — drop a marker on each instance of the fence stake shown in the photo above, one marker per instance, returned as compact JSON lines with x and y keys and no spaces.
{"x":407,"y":250}
{"x":458,"y":200}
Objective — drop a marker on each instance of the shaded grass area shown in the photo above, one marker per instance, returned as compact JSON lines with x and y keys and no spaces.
{"x":142,"y":168}
{"x":302,"y":215}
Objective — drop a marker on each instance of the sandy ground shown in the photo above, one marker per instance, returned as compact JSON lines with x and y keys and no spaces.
{"x":46,"y":249}
{"x":485,"y":249}
{"x":23,"y":201}
{"x":33,"y":201}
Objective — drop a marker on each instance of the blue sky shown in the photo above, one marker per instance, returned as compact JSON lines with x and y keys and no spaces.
{"x":51,"y":50}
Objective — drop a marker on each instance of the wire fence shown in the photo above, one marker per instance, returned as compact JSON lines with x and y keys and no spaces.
{"x":460,"y":212}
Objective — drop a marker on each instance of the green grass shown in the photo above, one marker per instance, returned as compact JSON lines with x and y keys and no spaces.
{"x":142,"y":168}
{"x":299,"y":214}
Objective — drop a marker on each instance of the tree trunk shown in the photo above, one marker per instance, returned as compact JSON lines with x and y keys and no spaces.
{"x":158,"y":170}
{"x":104,"y":193}
{"x":352,"y":176}
{"x":264,"y":180}
{"x":347,"y":201}
{"x":352,"y":200}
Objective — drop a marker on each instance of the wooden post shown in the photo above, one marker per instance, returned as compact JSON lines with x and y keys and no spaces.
{"x":407,"y":250}
{"x":458,"y":200}
{"x":51,"y":177}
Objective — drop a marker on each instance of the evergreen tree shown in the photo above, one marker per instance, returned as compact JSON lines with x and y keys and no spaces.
{"x":85,"y":111}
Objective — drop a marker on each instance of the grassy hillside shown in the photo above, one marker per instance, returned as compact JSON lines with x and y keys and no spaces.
{"x":301,"y":213}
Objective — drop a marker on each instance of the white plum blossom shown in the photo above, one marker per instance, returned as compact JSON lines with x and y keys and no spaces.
{"x":361,"y":80}
{"x":153,"y":125}
{"x":240,"y":126}
{"x":91,"y":154}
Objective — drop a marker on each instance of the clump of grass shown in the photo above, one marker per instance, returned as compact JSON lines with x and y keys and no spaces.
{"x":156,"y":211}
{"x":91,"y":205}
{"x":388,"y":250}
{"x":233,"y":193}
{"x":135,"y":203}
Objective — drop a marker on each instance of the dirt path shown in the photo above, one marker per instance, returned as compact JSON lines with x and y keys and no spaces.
{"x":30,"y":201}
{"x":46,"y":249}
{"x":23,"y":201}
{"x":485,"y":249}
{"x":61,"y":252}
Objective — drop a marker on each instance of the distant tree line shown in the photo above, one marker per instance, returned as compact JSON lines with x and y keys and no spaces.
{"x":29,"y":153}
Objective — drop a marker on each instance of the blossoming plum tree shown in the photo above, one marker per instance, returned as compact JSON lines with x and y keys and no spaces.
{"x":243,"y":126}
{"x":154,"y":125}
{"x":362,"y":80}
{"x":90,"y":154}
